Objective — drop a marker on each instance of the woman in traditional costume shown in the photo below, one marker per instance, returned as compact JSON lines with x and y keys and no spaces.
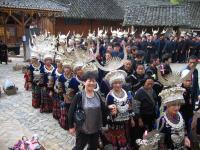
{"x":67,"y":95}
{"x":36,"y":78}
{"x":76,"y":83}
{"x":119,"y":103}
{"x":187,"y":108}
{"x":171,"y":123}
{"x":47,"y":89}
{"x":57,"y":96}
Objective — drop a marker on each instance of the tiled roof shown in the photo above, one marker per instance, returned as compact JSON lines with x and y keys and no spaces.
{"x":133,"y":12}
{"x":50,"y":5}
{"x":93,"y":9}
{"x":156,"y":13}
{"x":157,"y":16}
{"x":125,"y":3}
{"x":194,"y":9}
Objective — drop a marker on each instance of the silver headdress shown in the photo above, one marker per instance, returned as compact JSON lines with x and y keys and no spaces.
{"x":174,"y":94}
{"x":119,"y":33}
{"x":116,"y":75}
{"x":78,"y":37}
{"x":173,"y":79}
{"x":113,"y":64}
{"x":150,"y":142}
{"x":114,"y":32}
{"x":147,"y":34}
{"x":105,"y":34}
{"x":126,"y":33}
{"x":90,"y":67}
{"x":174,"y":33}
{"x":194,"y":34}
{"x":100,"y":33}
{"x":35,"y":55}
{"x":172,"y":83}
{"x":183,"y":33}
{"x":62,"y":38}
{"x":91,"y":36}
{"x":164,"y":31}
{"x":155,"y":31}
{"x":48,"y":56}
{"x":42,"y":44}
{"x":78,"y":57}
{"x":84,"y":56}
{"x":133,"y":31}
{"x":143,"y":33}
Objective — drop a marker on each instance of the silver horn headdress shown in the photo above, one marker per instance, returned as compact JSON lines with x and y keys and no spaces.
{"x":150,"y":142}
{"x":113,"y":64}
{"x":42,"y":44}
{"x":173,"y":92}
{"x":155,"y":31}
{"x":173,"y":79}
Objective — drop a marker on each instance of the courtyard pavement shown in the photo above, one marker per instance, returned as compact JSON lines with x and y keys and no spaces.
{"x":19,"y":118}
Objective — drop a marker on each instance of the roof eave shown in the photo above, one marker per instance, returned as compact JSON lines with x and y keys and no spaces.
{"x":25,"y":8}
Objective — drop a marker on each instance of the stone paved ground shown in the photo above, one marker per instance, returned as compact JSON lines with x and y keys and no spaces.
{"x":18,"y":118}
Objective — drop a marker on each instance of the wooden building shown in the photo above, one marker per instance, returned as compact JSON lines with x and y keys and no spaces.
{"x":56,"y":16}
{"x":16,"y":16}
{"x":85,"y":15}
{"x":60,"y":16}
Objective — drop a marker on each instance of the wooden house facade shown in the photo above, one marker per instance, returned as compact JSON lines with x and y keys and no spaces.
{"x":16,"y":16}
{"x":60,"y":16}
{"x":84,"y":15}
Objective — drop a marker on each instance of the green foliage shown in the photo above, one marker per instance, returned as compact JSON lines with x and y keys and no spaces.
{"x":176,"y":2}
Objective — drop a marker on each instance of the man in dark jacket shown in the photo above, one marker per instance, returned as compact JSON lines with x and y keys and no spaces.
{"x":162,"y":44}
{"x":168,"y":45}
{"x":150,"y":49}
{"x":195,"y":96}
{"x":165,"y":66}
{"x":151,"y":70}
{"x":3,"y":52}
{"x":174,"y":50}
{"x":181,"y":50}
{"x":157,"y":44}
{"x":144,"y":44}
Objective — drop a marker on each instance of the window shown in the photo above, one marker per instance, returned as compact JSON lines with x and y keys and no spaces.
{"x":11,"y":31}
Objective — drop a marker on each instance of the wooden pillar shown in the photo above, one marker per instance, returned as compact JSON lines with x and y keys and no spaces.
{"x":23,"y":34}
{"x":4,"y":26}
{"x":22,"y":23}
{"x":54,"y":25}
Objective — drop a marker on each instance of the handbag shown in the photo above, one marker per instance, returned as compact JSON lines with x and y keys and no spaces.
{"x":79,"y":113}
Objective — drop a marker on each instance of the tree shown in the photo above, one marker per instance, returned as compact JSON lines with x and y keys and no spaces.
{"x":176,"y":2}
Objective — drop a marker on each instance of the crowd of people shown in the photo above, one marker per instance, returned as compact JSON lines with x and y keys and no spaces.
{"x":114,"y":90}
